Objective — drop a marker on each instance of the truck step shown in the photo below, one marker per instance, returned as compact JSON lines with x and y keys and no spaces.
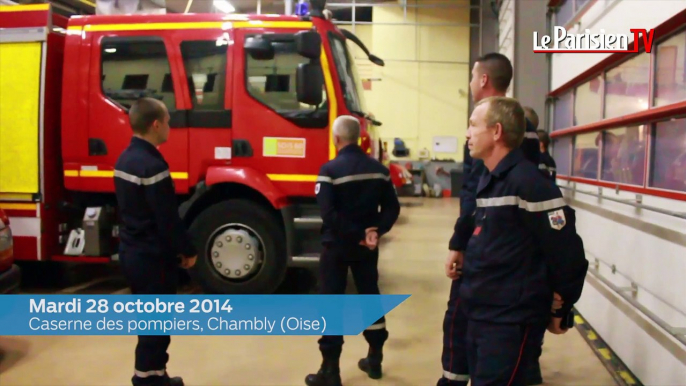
{"x":306,"y":258}
{"x":308,"y":220}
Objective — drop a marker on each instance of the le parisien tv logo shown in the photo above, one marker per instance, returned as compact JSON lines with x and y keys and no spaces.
{"x":588,"y":42}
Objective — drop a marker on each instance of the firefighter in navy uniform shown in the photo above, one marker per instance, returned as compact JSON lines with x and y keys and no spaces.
{"x":524,"y":247}
{"x":153,"y":240}
{"x":546,"y":163}
{"x":350,"y":189}
{"x":491,"y":76}
{"x":547,"y":166}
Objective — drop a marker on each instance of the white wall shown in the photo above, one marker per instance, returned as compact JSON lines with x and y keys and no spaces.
{"x":645,"y":247}
{"x":652,"y":257}
{"x":506,"y":34}
{"x":613,"y":16}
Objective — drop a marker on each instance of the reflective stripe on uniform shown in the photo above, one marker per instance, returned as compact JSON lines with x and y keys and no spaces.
{"x":150,"y":373}
{"x":523,"y":204}
{"x":142,"y":181}
{"x":544,"y":167}
{"x":530,"y":135}
{"x":354,"y":177}
{"x":378,"y":326}
{"x":455,"y":377}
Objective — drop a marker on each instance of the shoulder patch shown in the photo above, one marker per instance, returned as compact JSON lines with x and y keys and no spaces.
{"x":557,"y":219}
{"x":316,"y":188}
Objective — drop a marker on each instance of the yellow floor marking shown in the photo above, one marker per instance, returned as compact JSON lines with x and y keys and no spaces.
{"x":605,"y":353}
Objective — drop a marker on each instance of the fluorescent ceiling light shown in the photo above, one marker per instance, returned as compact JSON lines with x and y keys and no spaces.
{"x":224,"y":6}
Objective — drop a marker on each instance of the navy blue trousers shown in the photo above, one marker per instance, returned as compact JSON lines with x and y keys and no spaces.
{"x":148,"y":275}
{"x":333,"y":270}
{"x":454,"y":355}
{"x":501,"y":354}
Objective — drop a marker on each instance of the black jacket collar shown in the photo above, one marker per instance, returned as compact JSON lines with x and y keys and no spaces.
{"x":351,"y":149}
{"x":511,"y":159}
{"x":145,"y":145}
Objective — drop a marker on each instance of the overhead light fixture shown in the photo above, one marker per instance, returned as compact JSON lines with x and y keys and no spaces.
{"x":224,"y":6}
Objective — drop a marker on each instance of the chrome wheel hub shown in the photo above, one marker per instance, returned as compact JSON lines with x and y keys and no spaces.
{"x":235,"y":253}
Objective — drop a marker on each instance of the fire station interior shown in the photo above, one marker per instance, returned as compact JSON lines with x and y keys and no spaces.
{"x":616,"y":122}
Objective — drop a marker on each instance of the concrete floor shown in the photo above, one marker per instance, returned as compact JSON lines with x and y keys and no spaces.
{"x":411,"y":263}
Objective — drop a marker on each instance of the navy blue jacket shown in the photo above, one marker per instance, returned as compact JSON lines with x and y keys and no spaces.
{"x":472,"y":172}
{"x":150,"y":223}
{"x":524,"y":246}
{"x":548,"y":166}
{"x":350,"y":188}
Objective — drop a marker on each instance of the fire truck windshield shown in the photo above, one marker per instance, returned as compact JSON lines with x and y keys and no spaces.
{"x":347,"y":73}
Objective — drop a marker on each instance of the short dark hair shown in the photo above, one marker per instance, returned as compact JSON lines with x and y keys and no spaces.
{"x":531,"y":115}
{"x":498,"y":68}
{"x":544,"y":138}
{"x":144,"y":112}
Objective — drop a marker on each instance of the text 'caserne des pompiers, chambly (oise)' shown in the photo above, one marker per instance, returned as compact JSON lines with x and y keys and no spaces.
{"x":192,"y":306}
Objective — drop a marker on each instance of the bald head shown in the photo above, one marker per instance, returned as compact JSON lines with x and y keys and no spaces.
{"x":347,"y":129}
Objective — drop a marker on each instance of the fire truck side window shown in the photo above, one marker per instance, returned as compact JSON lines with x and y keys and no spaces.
{"x":205,"y":63}
{"x":136,"y":67}
{"x":272,"y":82}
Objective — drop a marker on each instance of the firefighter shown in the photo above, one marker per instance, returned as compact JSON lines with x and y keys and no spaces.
{"x":534,"y":375}
{"x":491,"y":76}
{"x":546,"y":162}
{"x":350,"y":189}
{"x":154,"y":241}
{"x":524,"y":247}
{"x":548,"y":165}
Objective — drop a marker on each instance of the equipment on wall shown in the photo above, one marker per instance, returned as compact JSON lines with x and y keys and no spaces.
{"x":399,"y":149}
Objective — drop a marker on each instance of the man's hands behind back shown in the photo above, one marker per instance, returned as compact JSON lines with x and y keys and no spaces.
{"x":371,"y":239}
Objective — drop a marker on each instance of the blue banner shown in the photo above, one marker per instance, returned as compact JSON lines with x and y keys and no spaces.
{"x":192,"y":314}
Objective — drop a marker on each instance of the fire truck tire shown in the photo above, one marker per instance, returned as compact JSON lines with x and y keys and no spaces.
{"x":241,"y":249}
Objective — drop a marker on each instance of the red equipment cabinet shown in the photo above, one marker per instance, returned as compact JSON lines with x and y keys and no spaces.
{"x":251,"y":98}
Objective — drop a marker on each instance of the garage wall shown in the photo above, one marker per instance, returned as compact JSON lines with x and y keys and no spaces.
{"x":506,"y":34}
{"x":423,"y":90}
{"x":633,"y":295}
{"x":517,"y":23}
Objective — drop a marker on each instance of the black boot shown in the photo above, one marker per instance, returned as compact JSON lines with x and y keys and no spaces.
{"x":329,"y":374}
{"x":372,"y":363}
{"x":176,"y":381}
{"x":165,"y":380}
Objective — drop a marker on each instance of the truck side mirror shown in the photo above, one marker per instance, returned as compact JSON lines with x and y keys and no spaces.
{"x":309,"y":80}
{"x":309,"y":44}
{"x":259,"y":49}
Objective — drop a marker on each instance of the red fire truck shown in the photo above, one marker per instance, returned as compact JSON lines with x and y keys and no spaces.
{"x":251,"y":98}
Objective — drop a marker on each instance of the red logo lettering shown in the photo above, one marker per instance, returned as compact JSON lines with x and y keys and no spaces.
{"x":477,"y":230}
{"x":647,"y":38}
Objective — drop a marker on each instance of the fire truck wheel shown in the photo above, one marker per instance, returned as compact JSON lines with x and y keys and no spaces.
{"x":241,"y":249}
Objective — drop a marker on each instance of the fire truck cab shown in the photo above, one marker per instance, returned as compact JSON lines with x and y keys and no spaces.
{"x":252,"y":99}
